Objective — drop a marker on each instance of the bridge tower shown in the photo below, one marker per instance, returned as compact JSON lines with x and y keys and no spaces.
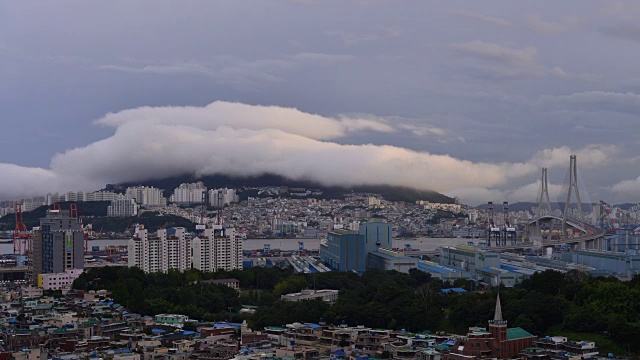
{"x":573,"y":188}
{"x":544,"y":204}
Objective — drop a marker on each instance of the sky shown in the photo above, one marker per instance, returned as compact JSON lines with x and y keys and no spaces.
{"x":470,"y":99}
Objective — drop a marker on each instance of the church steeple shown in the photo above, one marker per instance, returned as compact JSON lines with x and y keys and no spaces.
{"x":497,"y":316}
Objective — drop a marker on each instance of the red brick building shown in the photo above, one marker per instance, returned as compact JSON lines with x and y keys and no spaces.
{"x":498,"y":342}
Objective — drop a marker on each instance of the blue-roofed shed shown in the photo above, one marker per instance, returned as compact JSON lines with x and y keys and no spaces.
{"x":454,"y":290}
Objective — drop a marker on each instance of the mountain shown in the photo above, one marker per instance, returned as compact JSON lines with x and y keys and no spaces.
{"x":528,"y":206}
{"x":32,"y":218}
{"x":518,"y":206}
{"x":392,"y":193}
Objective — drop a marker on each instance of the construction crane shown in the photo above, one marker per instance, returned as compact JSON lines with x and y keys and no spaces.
{"x":606,"y":221}
{"x":21,"y":235}
{"x":510,"y":231}
{"x":493,"y":231}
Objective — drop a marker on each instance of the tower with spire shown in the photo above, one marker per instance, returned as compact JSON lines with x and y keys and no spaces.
{"x":499,"y":342}
{"x":498,"y":326}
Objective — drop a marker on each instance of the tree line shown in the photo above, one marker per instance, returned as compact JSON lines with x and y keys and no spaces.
{"x":547,"y":303}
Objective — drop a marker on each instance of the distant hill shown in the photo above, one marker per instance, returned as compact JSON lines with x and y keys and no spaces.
{"x":518,"y":206}
{"x":528,"y":206}
{"x":626,"y":206}
{"x":95,"y":213}
{"x":152,"y":221}
{"x":32,"y":218}
{"x":392,"y":193}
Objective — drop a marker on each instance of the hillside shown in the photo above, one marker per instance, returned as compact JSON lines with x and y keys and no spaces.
{"x":95,"y":213}
{"x":392,"y":193}
{"x":32,"y":218}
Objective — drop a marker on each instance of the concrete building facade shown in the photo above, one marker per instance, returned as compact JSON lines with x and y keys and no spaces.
{"x":146,"y":195}
{"x":220,"y":198}
{"x":187,"y":194}
{"x":347,"y":250}
{"x":169,"y":249}
{"x":122,"y":208}
{"x":386,"y":259}
{"x":58,"y":243}
{"x":217,"y":248}
{"x":58,"y":281}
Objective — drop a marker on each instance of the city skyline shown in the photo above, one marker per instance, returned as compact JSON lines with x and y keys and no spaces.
{"x":339,"y":93}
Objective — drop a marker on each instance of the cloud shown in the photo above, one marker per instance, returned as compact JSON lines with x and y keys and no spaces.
{"x":321,"y":57}
{"x":560,"y":73}
{"x":241,"y":139}
{"x":599,"y":100}
{"x":627,"y":188}
{"x":589,"y":156}
{"x":496,"y":21}
{"x":352,"y":38}
{"x":624,"y":31}
{"x":422,"y":130}
{"x":539,"y":25}
{"x":223,"y":69}
{"x":243,"y":116}
{"x":508,"y":62}
{"x":495,"y":52}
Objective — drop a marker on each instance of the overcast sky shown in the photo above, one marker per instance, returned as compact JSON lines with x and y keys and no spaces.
{"x":466,"y":98}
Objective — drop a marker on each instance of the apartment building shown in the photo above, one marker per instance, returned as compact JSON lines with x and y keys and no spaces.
{"x":220,"y":198}
{"x":146,"y":195}
{"x":217,"y":248}
{"x":169,"y":249}
{"x":187,"y":194}
{"x":122,"y":207}
{"x":178,"y":248}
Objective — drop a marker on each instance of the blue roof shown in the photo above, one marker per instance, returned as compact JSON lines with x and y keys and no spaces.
{"x":456,"y":290}
{"x":339,"y":352}
{"x":390,"y":257}
{"x":226,"y":324}
{"x":157,"y":331}
{"x":187,"y":333}
{"x":314,"y":326}
{"x":490,"y":270}
{"x":436,"y":269}
{"x":508,"y":268}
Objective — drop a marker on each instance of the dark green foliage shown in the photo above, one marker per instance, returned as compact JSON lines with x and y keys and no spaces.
{"x":151,"y":294}
{"x":547,"y":302}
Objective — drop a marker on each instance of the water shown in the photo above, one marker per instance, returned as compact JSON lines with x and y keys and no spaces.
{"x":421,"y":243}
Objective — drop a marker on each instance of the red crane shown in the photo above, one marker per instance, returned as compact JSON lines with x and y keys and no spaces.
{"x":21,"y":234}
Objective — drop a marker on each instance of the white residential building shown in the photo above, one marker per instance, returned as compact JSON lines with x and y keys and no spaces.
{"x":58,"y":281}
{"x":217,"y":248}
{"x":203,"y":254}
{"x":123,"y":207}
{"x":54,"y":198}
{"x":74,"y":196}
{"x":146,"y":195}
{"x":178,"y":248}
{"x":170,"y":249}
{"x":220,"y":198}
{"x":187,"y":194}
{"x":103,"y":196}
{"x":146,"y":252}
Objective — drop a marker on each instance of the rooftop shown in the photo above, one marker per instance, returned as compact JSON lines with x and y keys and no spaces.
{"x":517,"y":333}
